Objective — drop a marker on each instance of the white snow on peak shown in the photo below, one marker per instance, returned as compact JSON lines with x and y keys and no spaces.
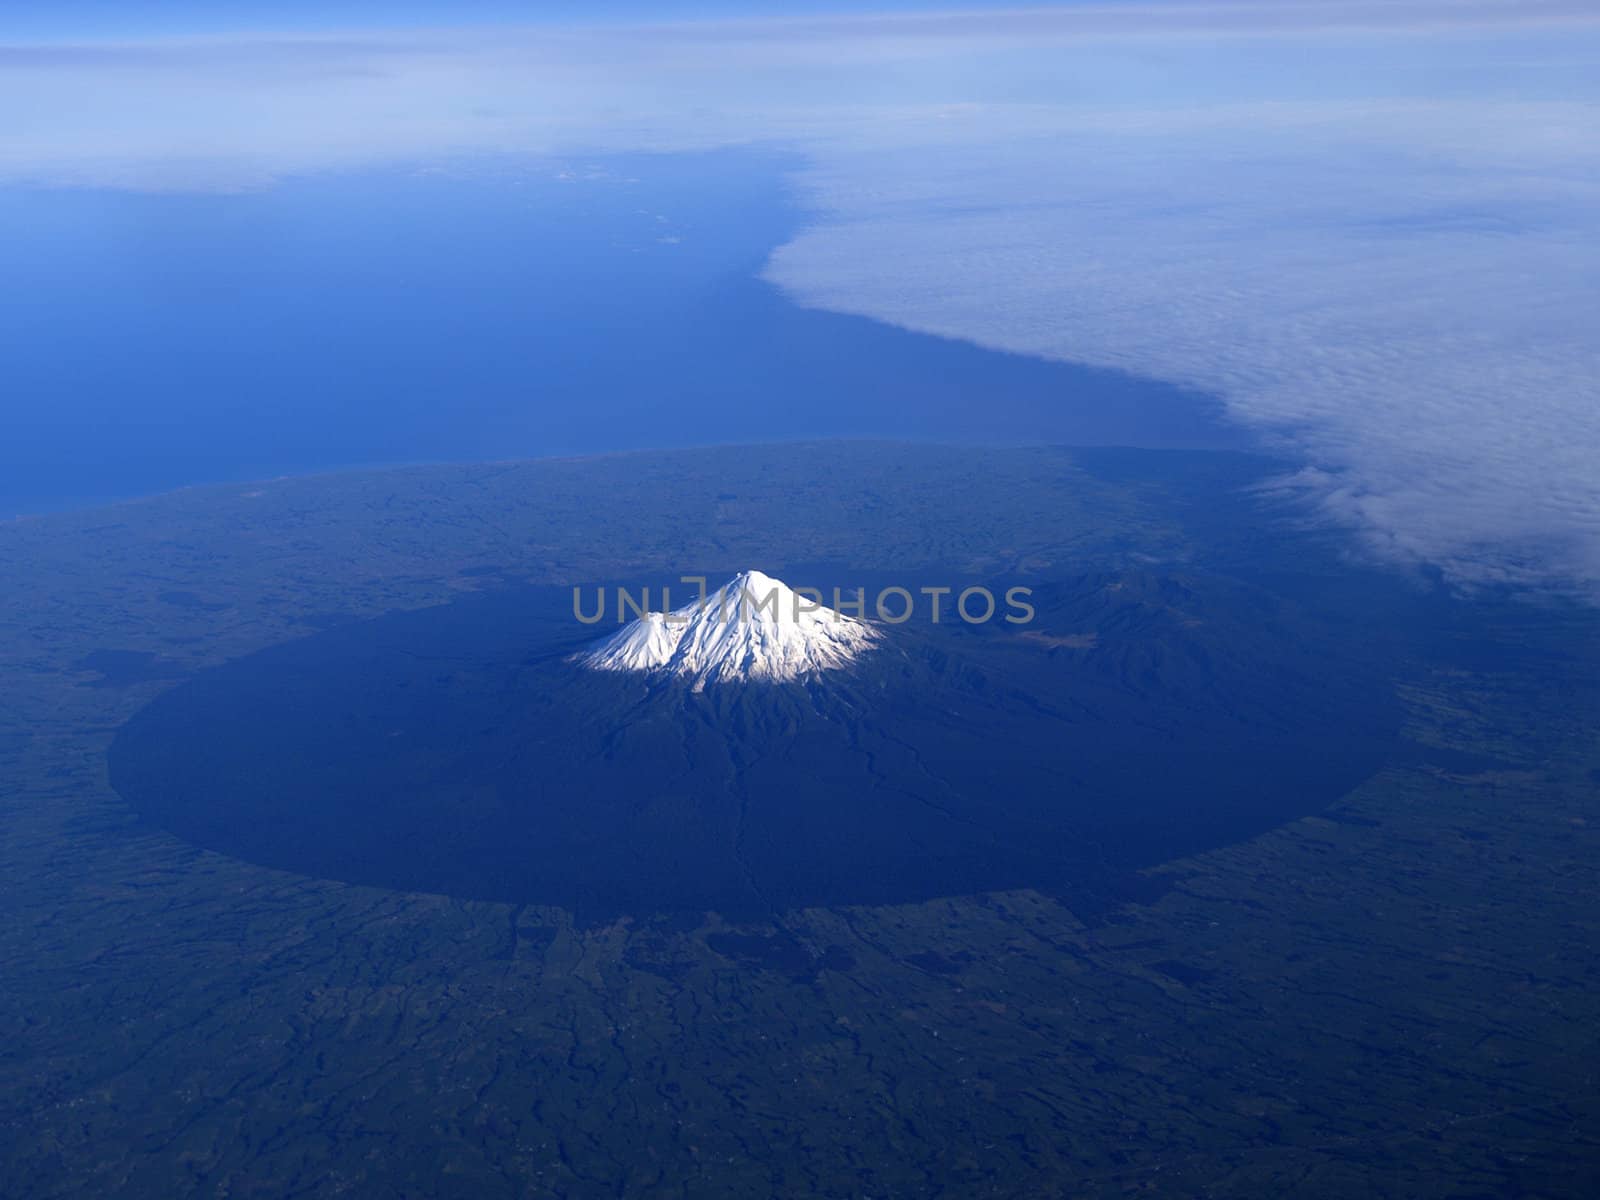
{"x":753,"y":627}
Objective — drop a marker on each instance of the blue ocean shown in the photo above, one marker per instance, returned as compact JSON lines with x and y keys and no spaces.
{"x":488,"y":310}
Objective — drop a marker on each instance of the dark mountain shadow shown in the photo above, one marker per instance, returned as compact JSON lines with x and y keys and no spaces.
{"x":1138,"y":718}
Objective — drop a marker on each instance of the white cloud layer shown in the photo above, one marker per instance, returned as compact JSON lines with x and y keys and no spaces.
{"x":1416,"y":318}
{"x":1372,"y":227}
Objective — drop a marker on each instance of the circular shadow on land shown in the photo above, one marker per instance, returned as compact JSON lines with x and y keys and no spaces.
{"x":455,"y":750}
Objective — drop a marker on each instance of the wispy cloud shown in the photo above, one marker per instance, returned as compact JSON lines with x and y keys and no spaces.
{"x":126,"y":110}
{"x":1372,"y":227}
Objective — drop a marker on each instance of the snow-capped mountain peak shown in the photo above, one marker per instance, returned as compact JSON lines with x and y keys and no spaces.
{"x":753,"y":627}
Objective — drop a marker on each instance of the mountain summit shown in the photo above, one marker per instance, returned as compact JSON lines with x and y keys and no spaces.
{"x":753,"y":627}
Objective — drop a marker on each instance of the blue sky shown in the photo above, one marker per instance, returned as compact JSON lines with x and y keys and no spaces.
{"x":51,"y":18}
{"x":1371,"y":226}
